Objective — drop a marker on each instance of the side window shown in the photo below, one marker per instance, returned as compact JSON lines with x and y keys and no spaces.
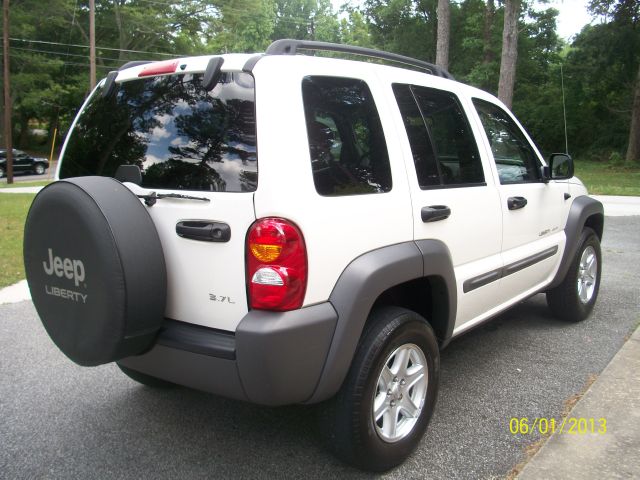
{"x":515,"y":158}
{"x":444,"y":150}
{"x":346,"y":143}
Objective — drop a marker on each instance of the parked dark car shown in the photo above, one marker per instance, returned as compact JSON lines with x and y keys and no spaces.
{"x":23,"y":163}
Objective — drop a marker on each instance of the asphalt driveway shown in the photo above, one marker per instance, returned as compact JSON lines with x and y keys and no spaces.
{"x":59,"y":420}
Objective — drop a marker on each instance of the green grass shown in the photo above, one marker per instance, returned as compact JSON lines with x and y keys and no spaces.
{"x":606,"y":179}
{"x":13,"y":211}
{"x":40,"y":183}
{"x":600,"y":179}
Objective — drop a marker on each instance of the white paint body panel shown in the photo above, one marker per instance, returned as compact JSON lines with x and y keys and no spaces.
{"x":473,"y":232}
{"x":481,"y":233}
{"x":196,"y":269}
{"x":336,"y":229}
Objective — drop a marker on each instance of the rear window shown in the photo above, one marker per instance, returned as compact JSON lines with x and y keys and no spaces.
{"x":180,"y":135}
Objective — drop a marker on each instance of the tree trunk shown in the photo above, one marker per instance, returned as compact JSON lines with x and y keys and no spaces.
{"x":489,"y":14}
{"x":2,"y":132}
{"x":8,"y":127}
{"x":121,"y":34}
{"x":23,"y":138}
{"x":92,"y":44}
{"x":442,"y":45}
{"x":509,"y":51}
{"x":633,"y":151}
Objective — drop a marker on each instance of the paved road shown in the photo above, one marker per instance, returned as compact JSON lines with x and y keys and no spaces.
{"x":20,"y":177}
{"x":58,"y":420}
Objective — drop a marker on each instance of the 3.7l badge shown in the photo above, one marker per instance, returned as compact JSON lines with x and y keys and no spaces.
{"x":220,"y":298}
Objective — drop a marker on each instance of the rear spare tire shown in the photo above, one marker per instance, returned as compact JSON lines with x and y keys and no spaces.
{"x":95,"y":268}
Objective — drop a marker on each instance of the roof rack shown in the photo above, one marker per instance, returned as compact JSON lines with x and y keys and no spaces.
{"x":291,"y":47}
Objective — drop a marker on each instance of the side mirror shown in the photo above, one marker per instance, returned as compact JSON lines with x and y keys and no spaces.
{"x":561,"y":166}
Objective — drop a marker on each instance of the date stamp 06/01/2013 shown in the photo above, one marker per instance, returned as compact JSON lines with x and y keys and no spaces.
{"x":568,"y":426}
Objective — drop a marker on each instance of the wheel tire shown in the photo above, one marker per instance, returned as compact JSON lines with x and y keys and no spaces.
{"x":144,"y":379}
{"x":39,"y":169}
{"x":1,"y":172}
{"x":348,"y":419}
{"x":575,"y":297}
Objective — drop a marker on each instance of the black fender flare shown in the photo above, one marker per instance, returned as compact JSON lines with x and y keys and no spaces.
{"x":362,"y":282}
{"x":582,"y":208}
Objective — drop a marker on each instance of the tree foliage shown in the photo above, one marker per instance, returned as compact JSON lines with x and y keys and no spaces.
{"x":601,"y":69}
{"x":49,"y":61}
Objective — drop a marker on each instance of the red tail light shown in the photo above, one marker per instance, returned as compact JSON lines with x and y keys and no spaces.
{"x":276,"y":265}
{"x":158,"y":68}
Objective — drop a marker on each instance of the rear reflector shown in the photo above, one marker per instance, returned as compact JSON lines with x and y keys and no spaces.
{"x":158,"y":68}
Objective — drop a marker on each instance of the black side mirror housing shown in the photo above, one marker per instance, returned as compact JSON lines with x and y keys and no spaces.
{"x":560,"y":166}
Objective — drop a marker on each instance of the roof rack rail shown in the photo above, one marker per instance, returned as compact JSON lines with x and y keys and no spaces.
{"x":291,"y":47}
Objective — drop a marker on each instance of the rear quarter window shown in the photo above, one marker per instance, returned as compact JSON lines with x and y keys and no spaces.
{"x":346,"y":142}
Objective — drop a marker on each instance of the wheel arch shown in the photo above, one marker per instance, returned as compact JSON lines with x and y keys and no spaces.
{"x":596,"y":223}
{"x":585,"y":212}
{"x":427,"y":296}
{"x":396,"y":272}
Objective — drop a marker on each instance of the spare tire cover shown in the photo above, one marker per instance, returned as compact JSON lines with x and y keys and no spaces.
{"x":95,"y":268}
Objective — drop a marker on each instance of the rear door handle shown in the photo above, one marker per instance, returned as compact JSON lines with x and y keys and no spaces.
{"x":515,"y":203}
{"x":204,"y":230}
{"x":434,"y":213}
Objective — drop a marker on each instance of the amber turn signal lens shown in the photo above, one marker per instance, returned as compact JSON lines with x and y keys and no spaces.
{"x":265,"y":253}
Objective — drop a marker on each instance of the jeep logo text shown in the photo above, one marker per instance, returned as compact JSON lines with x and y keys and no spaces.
{"x":72,"y":269}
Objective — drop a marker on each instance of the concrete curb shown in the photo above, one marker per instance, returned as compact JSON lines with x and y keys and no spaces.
{"x":18,"y":292}
{"x":617,"y":206}
{"x":21,"y":190}
{"x":615,"y":396}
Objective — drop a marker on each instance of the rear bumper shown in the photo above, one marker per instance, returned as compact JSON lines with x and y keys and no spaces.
{"x":273,"y":358}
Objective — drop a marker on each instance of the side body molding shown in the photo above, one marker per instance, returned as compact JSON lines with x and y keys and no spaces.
{"x":362,"y":282}
{"x":584,"y":211}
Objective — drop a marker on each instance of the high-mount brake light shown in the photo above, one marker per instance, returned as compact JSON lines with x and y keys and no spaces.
{"x":276,"y":265}
{"x":158,"y":68}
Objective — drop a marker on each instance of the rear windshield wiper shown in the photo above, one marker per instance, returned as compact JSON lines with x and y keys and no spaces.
{"x":150,"y":199}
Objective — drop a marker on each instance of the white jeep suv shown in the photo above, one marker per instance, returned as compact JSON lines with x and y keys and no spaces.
{"x":283,"y":228}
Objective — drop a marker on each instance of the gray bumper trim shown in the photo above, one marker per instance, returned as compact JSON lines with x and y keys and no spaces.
{"x":278,"y":356}
{"x":197,"y":339}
